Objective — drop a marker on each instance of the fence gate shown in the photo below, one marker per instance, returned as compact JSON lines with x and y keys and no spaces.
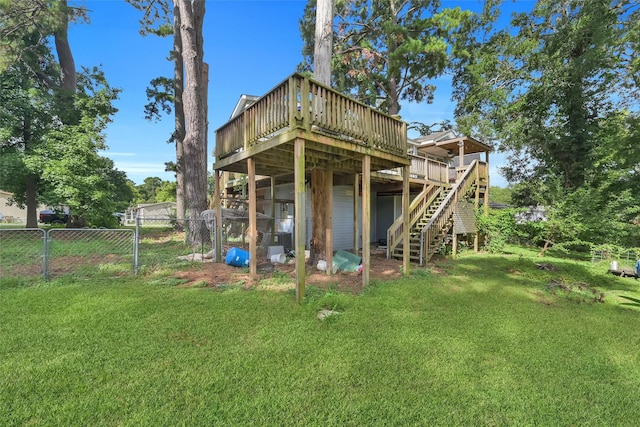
{"x":22,"y":252}
{"x":84,"y":250}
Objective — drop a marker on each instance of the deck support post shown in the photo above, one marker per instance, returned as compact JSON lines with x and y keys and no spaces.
{"x":217,"y":225}
{"x":299,"y":216}
{"x":476,"y":205}
{"x":486,"y":189}
{"x":454,"y":250}
{"x":253,"y":222}
{"x":366,"y":218}
{"x":329,"y":222}
{"x":405,"y":220}
{"x":273,"y":210}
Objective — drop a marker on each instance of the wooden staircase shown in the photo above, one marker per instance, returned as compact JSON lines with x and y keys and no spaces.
{"x":431,"y":206}
{"x":431,"y":216}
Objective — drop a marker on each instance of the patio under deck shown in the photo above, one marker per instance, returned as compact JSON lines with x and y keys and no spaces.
{"x":300,"y":126}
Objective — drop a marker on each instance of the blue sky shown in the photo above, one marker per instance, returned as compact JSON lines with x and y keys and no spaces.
{"x":250,"y":46}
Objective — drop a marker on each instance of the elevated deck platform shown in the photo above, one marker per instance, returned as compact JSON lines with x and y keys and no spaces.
{"x":338,"y":133}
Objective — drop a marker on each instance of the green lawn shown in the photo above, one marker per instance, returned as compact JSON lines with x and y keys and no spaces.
{"x":483,"y":340}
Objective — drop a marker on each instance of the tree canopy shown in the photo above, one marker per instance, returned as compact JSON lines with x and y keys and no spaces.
{"x":557,"y":89}
{"x":52,"y":118}
{"x":386,"y":51}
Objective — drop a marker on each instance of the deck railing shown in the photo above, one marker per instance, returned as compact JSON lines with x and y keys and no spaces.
{"x":417,"y":208}
{"x":299,"y":102}
{"x":424,"y":169}
{"x":439,"y":223}
{"x":436,"y":172}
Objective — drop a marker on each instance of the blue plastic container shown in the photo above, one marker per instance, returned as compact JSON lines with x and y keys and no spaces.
{"x":237,"y":257}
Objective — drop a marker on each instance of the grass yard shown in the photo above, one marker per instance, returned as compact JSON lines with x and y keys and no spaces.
{"x":483,"y":340}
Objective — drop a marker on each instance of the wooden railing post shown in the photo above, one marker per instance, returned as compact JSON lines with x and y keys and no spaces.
{"x":369,"y":127}
{"x":305,"y":91}
{"x":293,"y":101}
{"x":245,"y":129}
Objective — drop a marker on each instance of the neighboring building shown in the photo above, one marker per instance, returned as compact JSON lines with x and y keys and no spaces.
{"x":12,"y":213}
{"x":532,"y":214}
{"x":149,"y":212}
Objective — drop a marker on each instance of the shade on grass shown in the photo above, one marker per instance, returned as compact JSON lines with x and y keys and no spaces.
{"x":484,"y":342}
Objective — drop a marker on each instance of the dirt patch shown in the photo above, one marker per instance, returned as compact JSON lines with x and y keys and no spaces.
{"x":282,"y":276}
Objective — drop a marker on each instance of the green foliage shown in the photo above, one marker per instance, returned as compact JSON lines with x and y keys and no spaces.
{"x":25,"y":24}
{"x":499,"y":228}
{"x":500,"y":195}
{"x":161,"y":98}
{"x":155,"y":190}
{"x":49,"y":135}
{"x":157,"y":17}
{"x":166,"y":192}
{"x":558,"y":90}
{"x":387,"y":51}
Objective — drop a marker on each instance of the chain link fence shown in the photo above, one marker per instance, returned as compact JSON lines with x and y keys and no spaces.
{"x":162,"y":235}
{"x":154,"y":242}
{"x":82,"y":251}
{"x":59,"y":251}
{"x":22,"y":252}
{"x":623,"y":256}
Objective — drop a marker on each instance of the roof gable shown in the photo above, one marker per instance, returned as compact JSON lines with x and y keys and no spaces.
{"x":243,"y":103}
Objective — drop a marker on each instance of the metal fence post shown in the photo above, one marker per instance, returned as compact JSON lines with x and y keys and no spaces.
{"x":136,"y":246}
{"x":45,"y":256}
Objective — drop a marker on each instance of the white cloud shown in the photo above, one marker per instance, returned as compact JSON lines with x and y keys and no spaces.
{"x":140,"y":167}
{"x":112,"y":154}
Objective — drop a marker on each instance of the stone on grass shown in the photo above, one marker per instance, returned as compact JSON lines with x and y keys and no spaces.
{"x":324,"y":313}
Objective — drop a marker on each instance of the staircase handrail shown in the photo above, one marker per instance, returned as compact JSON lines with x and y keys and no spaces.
{"x":416,"y":208}
{"x":446,"y":209}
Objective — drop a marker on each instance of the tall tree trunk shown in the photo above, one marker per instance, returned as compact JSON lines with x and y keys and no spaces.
{"x":392,"y":96}
{"x":65,"y":58}
{"x":178,"y":78}
{"x":322,"y":52}
{"x":31,"y":196}
{"x":195,"y":149}
{"x":319,"y":203}
{"x":323,"y":42}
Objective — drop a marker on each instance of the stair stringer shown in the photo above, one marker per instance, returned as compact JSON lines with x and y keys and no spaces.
{"x":434,"y":232}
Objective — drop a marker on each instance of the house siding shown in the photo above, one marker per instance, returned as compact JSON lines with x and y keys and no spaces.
{"x":342,"y":214}
{"x":343,"y":218}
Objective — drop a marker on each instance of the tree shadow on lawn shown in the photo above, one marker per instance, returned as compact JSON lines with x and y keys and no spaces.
{"x":548,"y":275}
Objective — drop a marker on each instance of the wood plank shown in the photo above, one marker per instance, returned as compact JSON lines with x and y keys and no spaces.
{"x":253,"y":222}
{"x":406,"y":196}
{"x":262,"y":146}
{"x":273,"y":210}
{"x":329,"y":222}
{"x":300,"y":217}
{"x":366,"y":219}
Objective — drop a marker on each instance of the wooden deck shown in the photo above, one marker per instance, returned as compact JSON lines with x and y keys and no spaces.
{"x":337,"y":130}
{"x":302,"y":129}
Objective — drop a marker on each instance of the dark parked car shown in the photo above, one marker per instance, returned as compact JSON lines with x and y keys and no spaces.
{"x":52,"y":217}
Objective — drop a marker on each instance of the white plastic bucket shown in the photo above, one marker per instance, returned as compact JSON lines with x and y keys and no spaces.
{"x":278,"y":258}
{"x":614,"y":265}
{"x":322,"y":266}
